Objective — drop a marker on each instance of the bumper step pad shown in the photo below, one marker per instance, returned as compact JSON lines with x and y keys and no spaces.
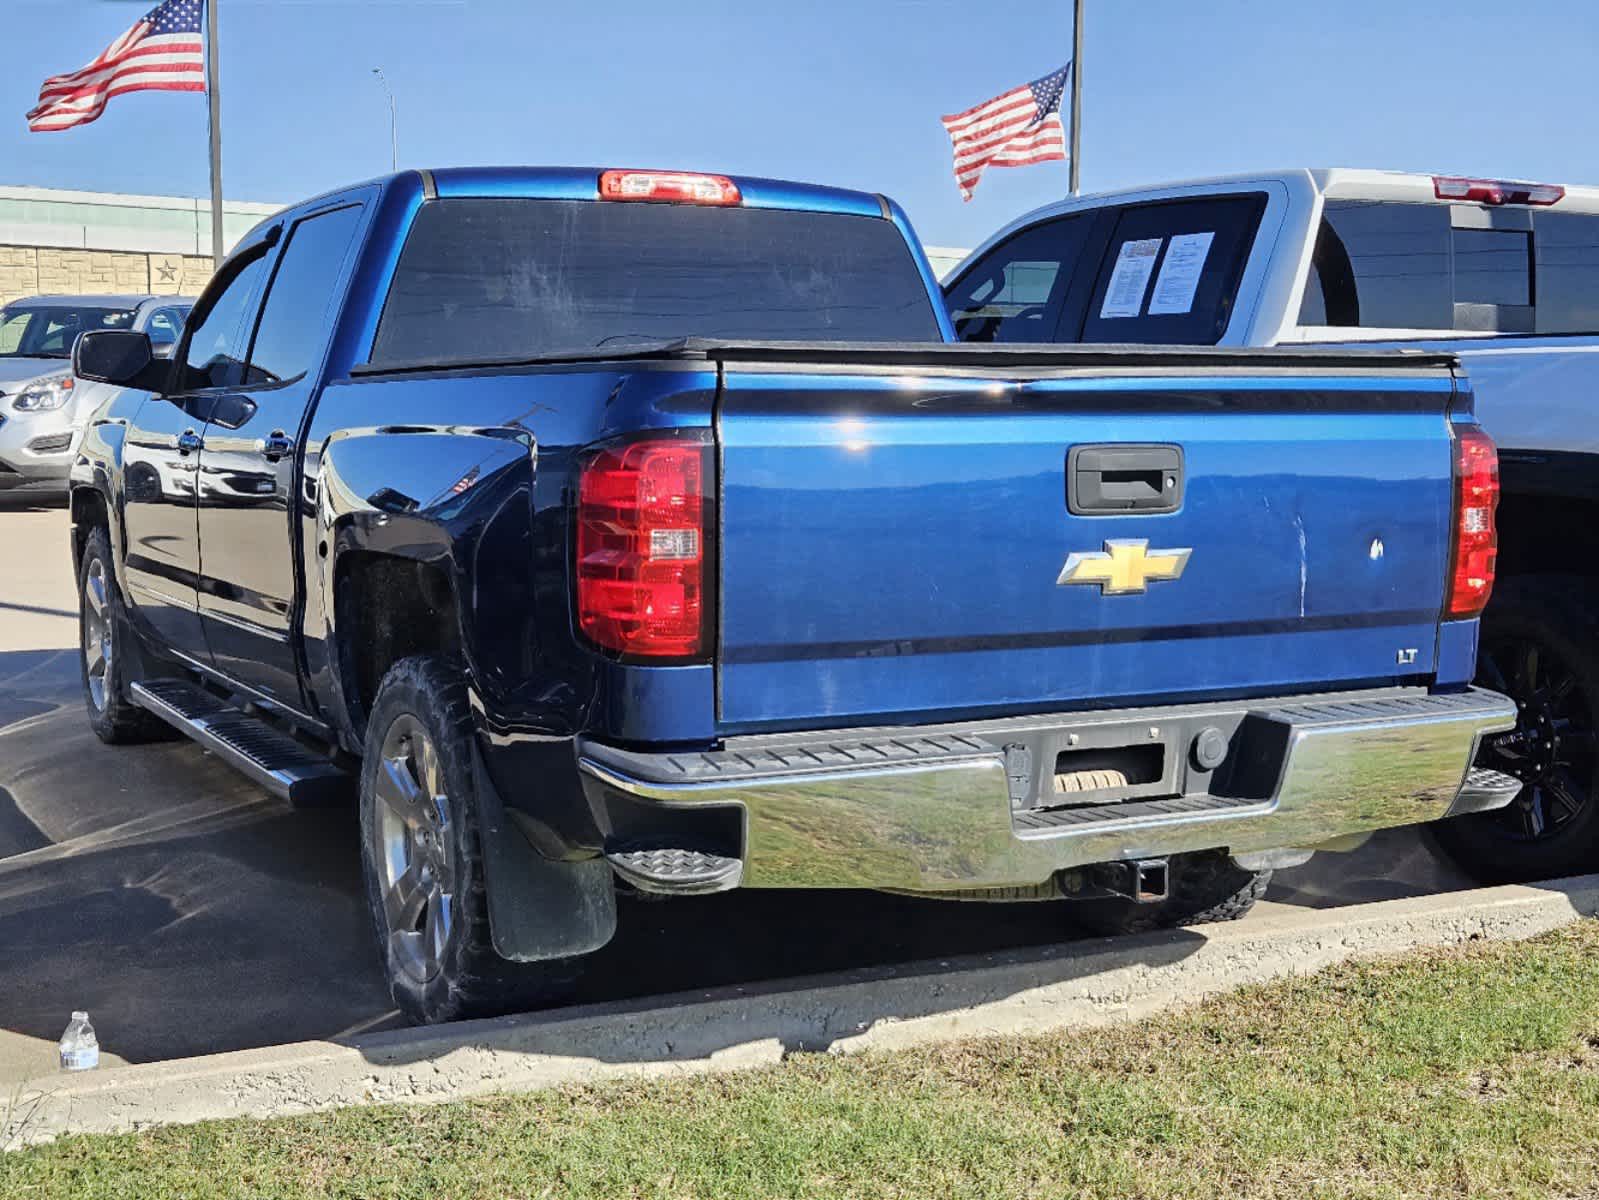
{"x":1485,"y":791}
{"x":246,"y":743}
{"x":673,"y":871}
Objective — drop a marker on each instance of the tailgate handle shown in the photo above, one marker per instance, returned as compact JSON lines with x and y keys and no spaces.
{"x":1124,"y":479}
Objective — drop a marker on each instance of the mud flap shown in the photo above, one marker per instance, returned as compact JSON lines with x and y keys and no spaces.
{"x":538,"y":909}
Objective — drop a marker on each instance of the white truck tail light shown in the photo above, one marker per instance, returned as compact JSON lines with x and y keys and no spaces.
{"x":1476,"y":539}
{"x":642,"y":584}
{"x":1497,"y":191}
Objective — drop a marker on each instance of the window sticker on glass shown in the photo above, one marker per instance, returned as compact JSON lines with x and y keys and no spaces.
{"x":1179,"y":274}
{"x":1130,"y":279}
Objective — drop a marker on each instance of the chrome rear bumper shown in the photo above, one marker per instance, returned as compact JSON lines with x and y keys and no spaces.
{"x":958,"y":807}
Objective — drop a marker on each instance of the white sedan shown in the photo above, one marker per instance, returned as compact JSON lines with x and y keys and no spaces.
{"x":42,"y":407}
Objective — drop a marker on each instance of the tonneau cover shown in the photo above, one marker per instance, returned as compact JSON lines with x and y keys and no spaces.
{"x":965,"y":356}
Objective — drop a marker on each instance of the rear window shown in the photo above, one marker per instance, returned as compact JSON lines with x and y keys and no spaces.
{"x":1171,"y":271}
{"x":1381,"y":265}
{"x":512,"y":278}
{"x":1567,"y":253}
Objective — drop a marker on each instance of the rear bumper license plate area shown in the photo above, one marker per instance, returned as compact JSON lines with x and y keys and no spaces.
{"x":1009,"y":803}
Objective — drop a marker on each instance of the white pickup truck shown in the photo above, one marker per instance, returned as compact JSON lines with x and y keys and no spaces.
{"x":1504,"y":274}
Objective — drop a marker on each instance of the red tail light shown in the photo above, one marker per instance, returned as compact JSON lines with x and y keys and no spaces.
{"x":1476,"y":549}
{"x":1497,"y":191}
{"x":641,"y":542}
{"x":669,"y":187}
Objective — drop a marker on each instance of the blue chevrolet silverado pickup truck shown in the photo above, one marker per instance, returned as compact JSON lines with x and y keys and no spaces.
{"x":644,"y":532}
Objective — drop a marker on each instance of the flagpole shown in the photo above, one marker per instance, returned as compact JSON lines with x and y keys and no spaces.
{"x":1077,"y":98}
{"x":213,"y":95}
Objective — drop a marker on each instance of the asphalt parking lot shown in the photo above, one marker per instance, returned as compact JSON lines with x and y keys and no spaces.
{"x":189,"y":912}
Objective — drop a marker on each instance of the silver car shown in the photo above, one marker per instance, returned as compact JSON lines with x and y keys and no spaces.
{"x":42,"y":408}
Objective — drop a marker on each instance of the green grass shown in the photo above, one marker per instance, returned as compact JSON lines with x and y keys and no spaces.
{"x":1470,"y":1072}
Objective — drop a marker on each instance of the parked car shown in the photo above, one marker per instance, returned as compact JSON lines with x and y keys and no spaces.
{"x":644,"y":531}
{"x":42,"y":407}
{"x":1503,"y":274}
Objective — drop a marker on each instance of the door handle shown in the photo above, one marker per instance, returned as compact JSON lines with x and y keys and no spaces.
{"x":189,"y":441}
{"x":1124,"y":479}
{"x":275,"y":445}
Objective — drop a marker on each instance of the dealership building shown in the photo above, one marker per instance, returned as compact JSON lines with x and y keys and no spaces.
{"x":63,"y":242}
{"x":55,"y":241}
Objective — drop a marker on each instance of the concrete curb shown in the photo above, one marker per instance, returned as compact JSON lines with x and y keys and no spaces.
{"x":1075,"y":985}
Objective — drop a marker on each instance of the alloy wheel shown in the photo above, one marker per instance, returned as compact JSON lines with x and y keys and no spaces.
{"x":415,"y":852}
{"x":97,"y":645}
{"x":1551,"y":750}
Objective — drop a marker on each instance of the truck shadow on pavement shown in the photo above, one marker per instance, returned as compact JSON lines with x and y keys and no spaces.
{"x":33,"y":499}
{"x":190,"y":913}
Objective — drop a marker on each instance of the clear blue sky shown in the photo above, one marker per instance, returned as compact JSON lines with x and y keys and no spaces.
{"x":838,"y":91}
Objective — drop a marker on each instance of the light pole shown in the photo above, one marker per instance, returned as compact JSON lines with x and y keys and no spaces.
{"x":213,"y":98}
{"x":394,"y":125}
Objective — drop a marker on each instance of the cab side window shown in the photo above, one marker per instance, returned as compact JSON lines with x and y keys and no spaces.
{"x":1016,"y":291}
{"x":215,"y":354}
{"x":1171,"y":271}
{"x":295,"y":318}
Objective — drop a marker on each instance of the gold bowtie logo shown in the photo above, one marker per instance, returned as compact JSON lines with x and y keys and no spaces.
{"x":1126,"y":567}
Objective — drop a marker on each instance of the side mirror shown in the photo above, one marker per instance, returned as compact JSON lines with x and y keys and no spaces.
{"x":121,"y":357}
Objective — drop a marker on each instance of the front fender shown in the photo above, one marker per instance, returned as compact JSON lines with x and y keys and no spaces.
{"x":96,"y":471}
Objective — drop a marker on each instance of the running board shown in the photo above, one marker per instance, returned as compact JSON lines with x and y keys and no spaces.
{"x":248,"y":744}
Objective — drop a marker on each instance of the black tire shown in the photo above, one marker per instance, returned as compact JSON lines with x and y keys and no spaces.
{"x":105,"y":651}
{"x":1202,"y":889}
{"x":1540,"y":646}
{"x":445,"y":967}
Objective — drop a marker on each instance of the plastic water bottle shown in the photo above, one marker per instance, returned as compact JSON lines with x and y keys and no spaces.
{"x":80,"y":1049}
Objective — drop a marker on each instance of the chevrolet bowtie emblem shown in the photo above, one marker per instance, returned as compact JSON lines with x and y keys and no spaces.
{"x":1124,"y":568}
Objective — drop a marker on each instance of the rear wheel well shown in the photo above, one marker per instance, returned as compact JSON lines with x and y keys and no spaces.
{"x":388,"y":608}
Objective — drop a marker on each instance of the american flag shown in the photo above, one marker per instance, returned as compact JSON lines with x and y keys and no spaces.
{"x":1014,"y":130}
{"x":163,"y":52}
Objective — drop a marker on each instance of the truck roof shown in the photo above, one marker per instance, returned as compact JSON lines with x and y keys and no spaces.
{"x":1415,"y":187}
{"x":582,"y":183}
{"x":1303,"y":185}
{"x":1418,"y":187}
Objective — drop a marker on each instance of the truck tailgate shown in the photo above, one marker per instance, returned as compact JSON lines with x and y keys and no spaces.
{"x":894,"y":529}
